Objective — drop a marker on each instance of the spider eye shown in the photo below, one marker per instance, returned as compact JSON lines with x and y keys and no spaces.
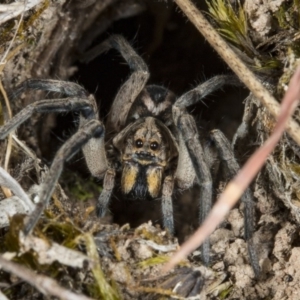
{"x":139,"y":143}
{"x":154,"y":146}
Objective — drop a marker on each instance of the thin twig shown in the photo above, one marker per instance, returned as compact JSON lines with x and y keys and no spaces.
{"x":6,"y":100}
{"x":241,"y":181}
{"x":44,"y":284}
{"x":6,"y":191}
{"x":3,"y":59}
{"x":24,"y":148}
{"x":236,"y":64}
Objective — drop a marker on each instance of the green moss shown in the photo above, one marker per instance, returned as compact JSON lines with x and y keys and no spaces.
{"x":28,"y":259}
{"x":288,"y":15}
{"x":101,"y":289}
{"x":153,"y":261}
{"x":36,"y":14}
{"x":143,"y":232}
{"x":225,"y":293}
{"x":84,"y":189}
{"x":60,"y":229}
{"x":11,"y":239}
{"x":295,"y":169}
{"x":7,"y":29}
{"x":157,"y":260}
{"x":64,"y":233}
{"x":232,"y":24}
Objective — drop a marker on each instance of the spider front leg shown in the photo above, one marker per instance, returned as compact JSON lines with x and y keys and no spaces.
{"x":108,"y":186}
{"x":90,"y":136}
{"x":132,"y":86}
{"x":92,"y":129}
{"x":190,"y":144}
{"x":167,"y":204}
{"x":206,"y":88}
{"x":77,"y":100}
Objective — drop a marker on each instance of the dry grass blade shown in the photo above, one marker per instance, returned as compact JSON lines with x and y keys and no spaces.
{"x":9,"y":182}
{"x":8,"y":55}
{"x":44,"y":284}
{"x":5,"y":190}
{"x":23,"y":9}
{"x":235,"y":63}
{"x":49,"y":253}
{"x":237,"y":186}
{"x":2,"y":296}
{"x":105,"y":289}
{"x":12,"y":10}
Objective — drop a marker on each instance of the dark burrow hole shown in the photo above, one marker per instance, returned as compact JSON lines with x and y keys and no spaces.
{"x":180,"y":61}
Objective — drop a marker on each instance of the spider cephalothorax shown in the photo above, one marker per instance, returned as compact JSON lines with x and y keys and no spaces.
{"x":146,"y":145}
{"x":152,"y":142}
{"x":146,"y":149}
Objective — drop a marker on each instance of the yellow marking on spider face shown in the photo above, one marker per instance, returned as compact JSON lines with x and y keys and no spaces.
{"x":128,"y":178}
{"x":144,"y":162}
{"x":154,"y":177}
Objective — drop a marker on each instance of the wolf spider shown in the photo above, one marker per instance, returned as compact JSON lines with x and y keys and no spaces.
{"x":153,"y":142}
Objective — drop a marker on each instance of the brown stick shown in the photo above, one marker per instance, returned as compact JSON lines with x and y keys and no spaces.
{"x":241,"y":181}
{"x":44,"y":284}
{"x":236,"y":64}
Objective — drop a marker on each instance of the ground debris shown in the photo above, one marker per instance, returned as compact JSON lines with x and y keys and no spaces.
{"x":128,"y":264}
{"x":106,"y":261}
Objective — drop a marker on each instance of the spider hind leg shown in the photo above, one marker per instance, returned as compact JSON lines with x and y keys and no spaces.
{"x":190,"y":143}
{"x":231,"y":168}
{"x":89,"y":137}
{"x":92,"y":129}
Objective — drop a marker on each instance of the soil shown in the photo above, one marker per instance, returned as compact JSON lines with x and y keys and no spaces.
{"x":178,"y":58}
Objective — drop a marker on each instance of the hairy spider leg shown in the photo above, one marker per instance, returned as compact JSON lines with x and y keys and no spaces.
{"x":90,"y":136}
{"x":206,"y":88}
{"x":192,"y":162}
{"x":44,"y":106}
{"x":232,"y":167}
{"x":131,"y":87}
{"x":190,"y":142}
{"x":92,"y":129}
{"x":104,"y":198}
{"x":167,"y":203}
{"x":122,"y":102}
